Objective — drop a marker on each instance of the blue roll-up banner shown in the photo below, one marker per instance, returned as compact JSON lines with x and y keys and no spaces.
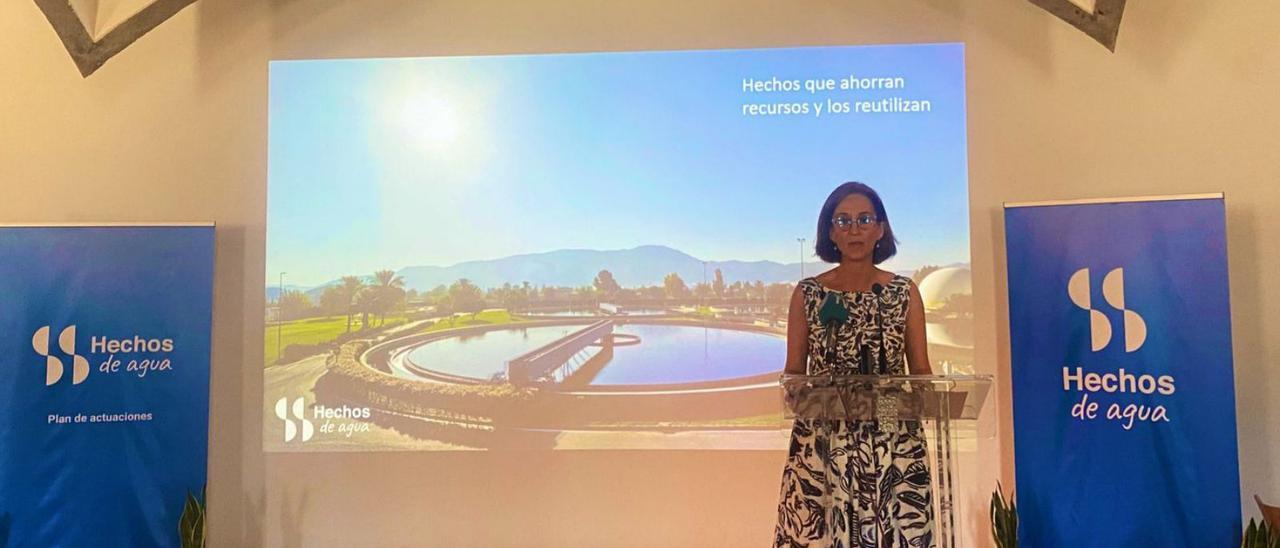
{"x":104,"y":382}
{"x":1123,"y":392}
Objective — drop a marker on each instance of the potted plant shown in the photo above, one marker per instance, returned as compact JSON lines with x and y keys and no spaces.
{"x":1004,"y":519}
{"x":191,"y":529}
{"x":1258,"y":535}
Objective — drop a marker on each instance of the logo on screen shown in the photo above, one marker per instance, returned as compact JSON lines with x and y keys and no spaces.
{"x":1080,"y":291}
{"x":291,"y":428}
{"x":54,"y":368}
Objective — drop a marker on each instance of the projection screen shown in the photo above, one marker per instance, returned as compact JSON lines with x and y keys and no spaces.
{"x":585,"y":251}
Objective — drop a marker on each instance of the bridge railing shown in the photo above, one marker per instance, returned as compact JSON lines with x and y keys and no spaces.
{"x":541,"y":361}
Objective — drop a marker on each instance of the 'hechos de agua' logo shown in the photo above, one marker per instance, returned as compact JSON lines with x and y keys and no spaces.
{"x":291,"y":428}
{"x":343,"y":420}
{"x":135,"y":355}
{"x":54,"y":368}
{"x":1122,"y":383}
{"x":1135,"y":328}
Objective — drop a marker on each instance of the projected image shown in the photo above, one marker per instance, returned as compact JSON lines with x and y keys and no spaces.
{"x":589,"y":251}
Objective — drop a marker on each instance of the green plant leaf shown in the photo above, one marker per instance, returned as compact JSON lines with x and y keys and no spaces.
{"x":1260,"y":535}
{"x":191,"y":524}
{"x":1004,"y":520}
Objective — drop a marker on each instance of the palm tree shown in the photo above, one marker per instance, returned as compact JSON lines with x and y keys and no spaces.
{"x":464,"y":296}
{"x":349,"y":288}
{"x":387,"y":278}
{"x":388,"y":290}
{"x":364,"y":303}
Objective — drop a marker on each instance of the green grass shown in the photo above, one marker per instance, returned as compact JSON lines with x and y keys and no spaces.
{"x":488,"y":317}
{"x":326,"y":329}
{"x":312,"y":331}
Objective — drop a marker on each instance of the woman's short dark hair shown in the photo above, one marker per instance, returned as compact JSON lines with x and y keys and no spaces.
{"x":886,"y":247}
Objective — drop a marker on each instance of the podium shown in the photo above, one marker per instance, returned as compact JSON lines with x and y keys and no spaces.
{"x":933,"y":401}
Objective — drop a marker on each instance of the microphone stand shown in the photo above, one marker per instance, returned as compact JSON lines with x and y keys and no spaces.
{"x":882,"y":368}
{"x":878,"y":290}
{"x":832,"y":314}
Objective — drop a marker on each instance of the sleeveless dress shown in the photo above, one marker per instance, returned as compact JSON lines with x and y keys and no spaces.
{"x":849,"y":484}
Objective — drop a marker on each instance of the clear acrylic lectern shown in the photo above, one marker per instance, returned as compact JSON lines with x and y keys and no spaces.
{"x":890,"y":400}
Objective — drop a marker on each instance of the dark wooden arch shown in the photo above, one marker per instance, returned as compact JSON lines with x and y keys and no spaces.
{"x":1103,"y":24}
{"x":89,"y":54}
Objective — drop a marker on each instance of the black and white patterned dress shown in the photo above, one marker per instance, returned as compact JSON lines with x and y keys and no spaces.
{"x":872,"y":488}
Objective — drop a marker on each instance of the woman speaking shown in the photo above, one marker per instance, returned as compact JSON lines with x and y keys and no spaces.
{"x":852,"y":484}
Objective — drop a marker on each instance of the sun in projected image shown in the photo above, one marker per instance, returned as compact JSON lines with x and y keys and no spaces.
{"x":427,"y":118}
{"x":428,"y":140}
{"x":423,"y":111}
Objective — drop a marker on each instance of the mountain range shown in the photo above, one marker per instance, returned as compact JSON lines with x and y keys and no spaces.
{"x":640,"y":266}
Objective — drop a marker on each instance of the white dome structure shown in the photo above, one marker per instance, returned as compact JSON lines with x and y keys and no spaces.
{"x":941,"y":284}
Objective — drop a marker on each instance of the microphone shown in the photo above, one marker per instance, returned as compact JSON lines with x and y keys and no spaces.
{"x":878,"y":290}
{"x":832,"y":314}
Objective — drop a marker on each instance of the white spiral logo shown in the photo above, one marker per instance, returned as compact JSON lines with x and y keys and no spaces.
{"x":53,"y":366}
{"x":1135,"y":328}
{"x":291,"y":428}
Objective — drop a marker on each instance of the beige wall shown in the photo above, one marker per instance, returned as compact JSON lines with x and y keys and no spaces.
{"x":175,"y":129}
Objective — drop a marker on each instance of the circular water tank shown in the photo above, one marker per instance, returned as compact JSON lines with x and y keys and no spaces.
{"x":941,"y":284}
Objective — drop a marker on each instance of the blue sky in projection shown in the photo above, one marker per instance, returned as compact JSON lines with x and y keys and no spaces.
{"x":388,"y":163}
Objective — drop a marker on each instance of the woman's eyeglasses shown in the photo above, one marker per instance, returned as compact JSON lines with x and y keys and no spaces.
{"x":845,"y":222}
